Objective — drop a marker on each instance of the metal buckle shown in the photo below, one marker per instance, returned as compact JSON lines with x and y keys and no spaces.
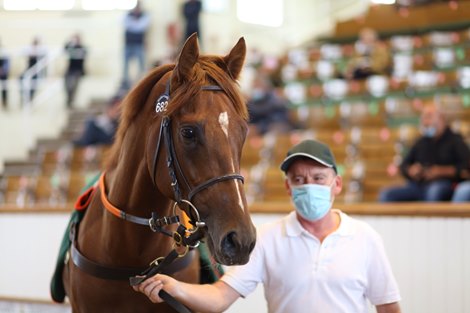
{"x":198,"y":223}
{"x":152,"y":225}
{"x":183,"y":253}
{"x":157,"y":261}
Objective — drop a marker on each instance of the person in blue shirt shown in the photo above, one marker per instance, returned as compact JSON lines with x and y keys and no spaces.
{"x":136,"y":24}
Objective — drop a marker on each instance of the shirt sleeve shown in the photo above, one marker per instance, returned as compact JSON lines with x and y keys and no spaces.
{"x":409,"y":159}
{"x":382,"y":287}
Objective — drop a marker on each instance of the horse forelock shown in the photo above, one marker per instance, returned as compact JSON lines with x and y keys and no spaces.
{"x":209,"y":70}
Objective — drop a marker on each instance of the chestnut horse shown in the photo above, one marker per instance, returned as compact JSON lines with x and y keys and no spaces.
{"x":179,"y":141}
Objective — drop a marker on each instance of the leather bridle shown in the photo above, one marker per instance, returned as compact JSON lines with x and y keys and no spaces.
{"x":172,"y":160}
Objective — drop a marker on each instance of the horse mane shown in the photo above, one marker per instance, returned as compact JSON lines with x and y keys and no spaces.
{"x":208,"y":70}
{"x":131,"y":106}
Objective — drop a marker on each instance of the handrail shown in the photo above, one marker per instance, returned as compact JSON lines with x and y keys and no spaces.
{"x":35,"y":71}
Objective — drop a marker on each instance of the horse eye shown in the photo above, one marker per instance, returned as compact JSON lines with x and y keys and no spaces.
{"x":188,"y":132}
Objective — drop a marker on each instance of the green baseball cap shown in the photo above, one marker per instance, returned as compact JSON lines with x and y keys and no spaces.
{"x":310,"y":149}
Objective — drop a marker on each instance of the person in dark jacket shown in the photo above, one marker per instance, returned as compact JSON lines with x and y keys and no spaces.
{"x":100,"y":130}
{"x":435,"y":163}
{"x":268,"y":110}
{"x":191,"y":11}
{"x":76,"y":53}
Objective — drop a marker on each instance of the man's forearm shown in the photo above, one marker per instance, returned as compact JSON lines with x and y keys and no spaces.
{"x":215,"y":297}
{"x":389,"y":308}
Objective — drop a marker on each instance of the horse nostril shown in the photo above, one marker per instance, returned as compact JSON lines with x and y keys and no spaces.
{"x":230,"y":244}
{"x":252,"y":246}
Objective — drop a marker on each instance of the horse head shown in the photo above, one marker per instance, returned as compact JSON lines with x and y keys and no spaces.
{"x":209,"y":128}
{"x":195,"y":130}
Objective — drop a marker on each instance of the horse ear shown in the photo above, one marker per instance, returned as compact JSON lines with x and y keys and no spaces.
{"x":187,"y":58}
{"x":235,"y":59}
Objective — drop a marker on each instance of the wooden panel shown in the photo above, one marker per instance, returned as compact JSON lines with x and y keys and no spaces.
{"x":442,"y":209}
{"x":386,"y":18}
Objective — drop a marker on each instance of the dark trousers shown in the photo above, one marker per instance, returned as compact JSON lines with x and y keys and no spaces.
{"x":72,"y":79}
{"x":4,"y":88}
{"x":439,"y":190}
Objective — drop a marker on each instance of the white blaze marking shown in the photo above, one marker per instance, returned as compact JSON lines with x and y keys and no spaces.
{"x":223,"y":121}
{"x":239,"y":187}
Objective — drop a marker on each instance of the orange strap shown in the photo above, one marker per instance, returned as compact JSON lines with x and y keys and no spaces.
{"x":185,"y":220}
{"x":121,"y":214}
{"x":111,"y":208}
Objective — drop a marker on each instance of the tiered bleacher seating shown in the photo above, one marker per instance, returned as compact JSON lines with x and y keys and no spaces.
{"x":53,"y":177}
{"x":370,"y":124}
{"x":56,"y":171}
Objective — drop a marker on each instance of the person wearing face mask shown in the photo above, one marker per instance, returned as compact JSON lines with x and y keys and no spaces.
{"x":101,"y":129}
{"x":436,"y":162}
{"x":316,"y":259}
{"x":268,"y":110}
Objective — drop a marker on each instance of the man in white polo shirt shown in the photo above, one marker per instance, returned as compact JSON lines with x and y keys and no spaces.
{"x":316,"y":259}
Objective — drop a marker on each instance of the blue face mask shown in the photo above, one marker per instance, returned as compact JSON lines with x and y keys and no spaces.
{"x":257,"y":94}
{"x":429,"y":131}
{"x":312,"y":201}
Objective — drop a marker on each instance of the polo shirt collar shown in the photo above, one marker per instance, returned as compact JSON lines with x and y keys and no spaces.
{"x":294,"y":228}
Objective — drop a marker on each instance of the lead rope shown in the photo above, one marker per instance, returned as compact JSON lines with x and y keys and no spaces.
{"x":181,"y":240}
{"x":158,"y":265}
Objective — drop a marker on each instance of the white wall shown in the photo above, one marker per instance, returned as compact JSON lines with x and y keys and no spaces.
{"x":430,"y":257}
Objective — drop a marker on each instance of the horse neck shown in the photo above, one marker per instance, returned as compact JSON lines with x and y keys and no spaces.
{"x":129,"y":184}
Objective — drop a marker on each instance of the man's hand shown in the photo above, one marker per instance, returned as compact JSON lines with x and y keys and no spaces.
{"x":152,"y":286}
{"x":216,"y":297}
{"x":431,"y":173}
{"x":439,"y":171}
{"x":415,"y":171}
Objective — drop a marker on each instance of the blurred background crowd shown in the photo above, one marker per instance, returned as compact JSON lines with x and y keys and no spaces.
{"x":374,"y":89}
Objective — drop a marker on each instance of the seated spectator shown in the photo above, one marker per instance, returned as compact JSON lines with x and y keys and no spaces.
{"x":434,"y":164}
{"x":268,"y":111}
{"x":371,"y":57}
{"x":100,"y":130}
